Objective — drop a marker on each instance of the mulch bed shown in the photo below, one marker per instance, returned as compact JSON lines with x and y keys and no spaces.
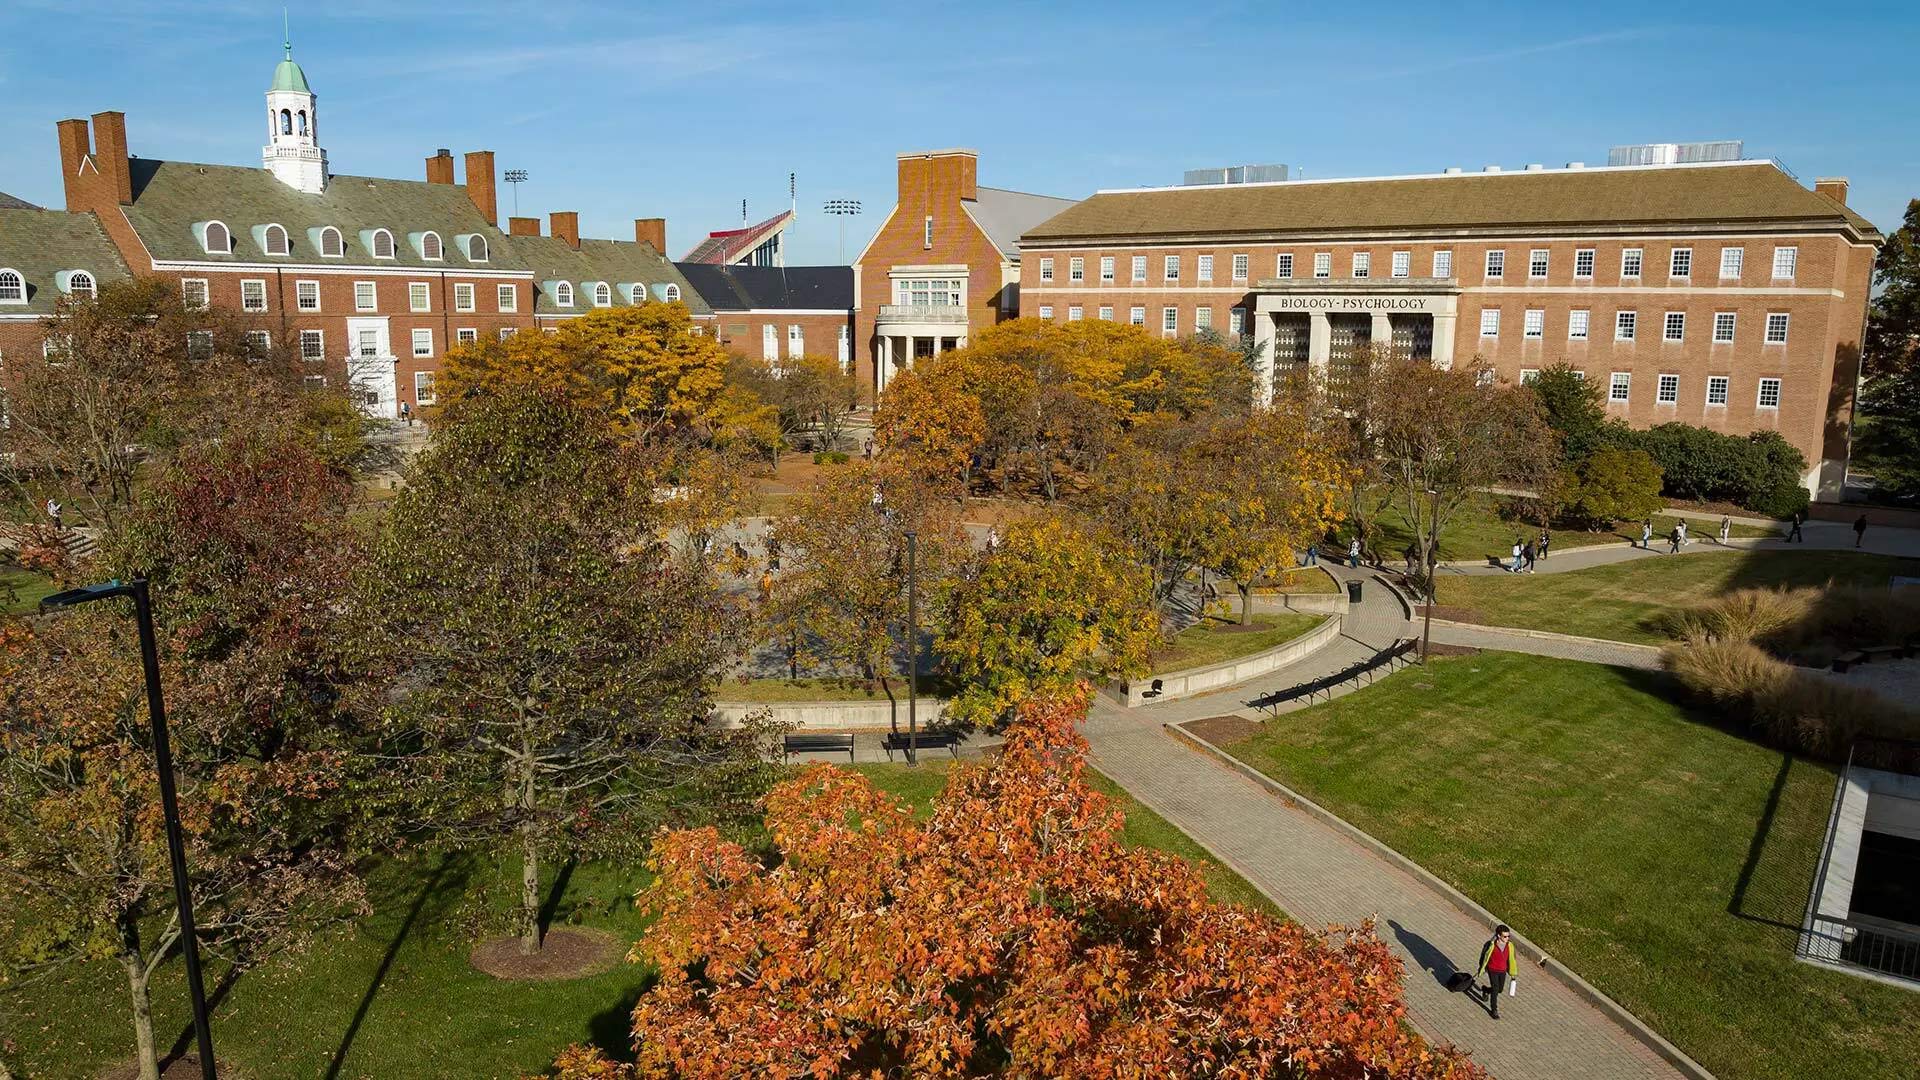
{"x":186,"y":1067}
{"x":1224,"y":730}
{"x":569,"y":952}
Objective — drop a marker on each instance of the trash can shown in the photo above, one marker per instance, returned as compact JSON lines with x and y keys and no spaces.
{"x":1353,"y":592}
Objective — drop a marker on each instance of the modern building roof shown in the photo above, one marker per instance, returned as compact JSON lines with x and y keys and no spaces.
{"x":1005,"y":215}
{"x":46,"y":246}
{"x":772,"y":288}
{"x":174,"y":200}
{"x":730,"y":245}
{"x":9,"y":202}
{"x":1717,"y":193}
{"x":632,"y":271}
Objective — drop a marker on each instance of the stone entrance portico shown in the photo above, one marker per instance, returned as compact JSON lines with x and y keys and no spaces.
{"x":1317,"y":321}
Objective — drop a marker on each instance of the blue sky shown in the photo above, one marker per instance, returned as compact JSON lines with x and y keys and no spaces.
{"x":681,"y":110}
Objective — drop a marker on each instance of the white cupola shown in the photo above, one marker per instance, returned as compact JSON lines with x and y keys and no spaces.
{"x":293,"y":153}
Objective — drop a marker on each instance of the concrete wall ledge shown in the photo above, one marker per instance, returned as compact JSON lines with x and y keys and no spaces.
{"x":1199,"y":680}
{"x":877,"y":715}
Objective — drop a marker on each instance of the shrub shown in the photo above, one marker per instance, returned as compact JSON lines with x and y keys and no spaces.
{"x":1748,"y":615}
{"x":1791,"y":708}
{"x":1615,"y":485}
{"x":830,"y":457}
{"x":1760,"y":471}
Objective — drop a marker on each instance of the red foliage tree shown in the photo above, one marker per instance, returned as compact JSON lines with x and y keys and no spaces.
{"x":1012,"y":933}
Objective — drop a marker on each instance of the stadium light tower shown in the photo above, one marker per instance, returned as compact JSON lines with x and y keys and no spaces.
{"x":842,"y":209}
{"x":516,"y":177}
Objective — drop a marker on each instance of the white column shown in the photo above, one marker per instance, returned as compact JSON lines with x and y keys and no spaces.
{"x":1263,"y":353}
{"x":936,"y":344}
{"x":1319,"y":342}
{"x":1443,"y":340}
{"x":1382,"y":331}
{"x":884,"y":369}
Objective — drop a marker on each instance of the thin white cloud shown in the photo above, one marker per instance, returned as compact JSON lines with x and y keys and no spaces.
{"x":1611,"y":37}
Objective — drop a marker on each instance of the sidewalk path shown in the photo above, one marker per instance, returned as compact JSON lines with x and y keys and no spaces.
{"x":1820,"y":536}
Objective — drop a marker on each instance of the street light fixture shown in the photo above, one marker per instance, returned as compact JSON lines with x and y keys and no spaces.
{"x":842,"y":209}
{"x":516,"y":177}
{"x":169,"y":799}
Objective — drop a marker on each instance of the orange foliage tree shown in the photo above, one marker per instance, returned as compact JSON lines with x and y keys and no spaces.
{"x":1012,"y":933}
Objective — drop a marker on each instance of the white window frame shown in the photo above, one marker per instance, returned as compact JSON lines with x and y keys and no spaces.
{"x":1632,"y":262}
{"x":1046,"y":269}
{"x":1726,"y":325}
{"x":1362,"y":264}
{"x":1202,"y":318}
{"x":1718,"y":390}
{"x":424,"y":379}
{"x":1680,"y":263}
{"x":507,"y":298}
{"x":260,"y":342}
{"x":1106,"y":312}
{"x":266,"y":241}
{"x":1533,"y":324}
{"x":373,"y":294}
{"x":186,"y":294}
{"x":602,"y":294}
{"x":1237,"y":321}
{"x":422,"y":338}
{"x":1402,"y":264}
{"x":1139,"y":269}
{"x":1443,"y":263}
{"x":769,"y":343}
{"x":1046,"y":311}
{"x":1077,"y":269}
{"x":1075,"y":313}
{"x":1673,"y":326}
{"x":1240,"y":265}
{"x":302,"y":288}
{"x":463,"y":298}
{"x":1106,"y":269}
{"x":466,"y":335}
{"x":796,"y":340}
{"x":1496,"y":263}
{"x":328,"y":232}
{"x":1771,"y":337}
{"x":419,"y":296}
{"x":1786,"y":262}
{"x":1666,"y":389}
{"x":1579,"y":324}
{"x":199,"y":344}
{"x":246,"y":303}
{"x":1619,"y":387}
{"x":1733,"y":262}
{"x":1760,"y":393}
{"x":1323,"y":264}
{"x":1586,"y":256}
{"x":670,"y":292}
{"x":1283,"y":265}
{"x":439,"y":248}
{"x":1529,"y":375}
{"x":1626,"y":325}
{"x":15,"y":284}
{"x":1170,"y":268}
{"x":206,"y":238}
{"x":563,"y":294}
{"x":1490,"y":322}
{"x":1539,"y":261}
{"x":506,"y":332}
{"x":1203,"y":268}
{"x":1169,"y":321}
{"x":374,"y":245}
{"x":319,"y":340}
{"x":1137,"y":316}
{"x":486,"y":249}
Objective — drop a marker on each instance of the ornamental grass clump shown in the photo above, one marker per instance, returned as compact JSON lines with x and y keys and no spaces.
{"x":1792,"y":708}
{"x":1747,"y":615}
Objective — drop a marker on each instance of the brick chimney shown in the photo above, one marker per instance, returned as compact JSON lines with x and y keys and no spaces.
{"x":651,"y":230}
{"x":523,"y":226}
{"x":940,"y":175}
{"x":480,"y":184}
{"x":565,"y":224}
{"x":94,"y":168}
{"x":73,"y":153}
{"x":110,"y":155}
{"x":440,"y":167}
{"x":1833,"y":187}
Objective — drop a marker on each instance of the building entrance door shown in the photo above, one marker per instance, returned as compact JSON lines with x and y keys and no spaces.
{"x":1413,"y":337}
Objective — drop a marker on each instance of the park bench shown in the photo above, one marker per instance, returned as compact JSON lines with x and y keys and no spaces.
{"x":1845,"y":661}
{"x":925,"y":740}
{"x":1327,"y":684}
{"x":816,"y":744}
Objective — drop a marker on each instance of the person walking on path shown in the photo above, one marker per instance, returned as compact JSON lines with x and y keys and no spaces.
{"x":1646,"y":534}
{"x":1793,"y":534}
{"x":1312,"y":557}
{"x":1498,"y":962}
{"x":1529,"y":553}
{"x":1519,"y":553}
{"x":1859,"y":529}
{"x":1353,"y":553}
{"x":53,"y":511}
{"x":1546,"y":541}
{"x":1681,"y":528}
{"x":1673,"y":541}
{"x":1726,"y":530}
{"x":406,"y":413}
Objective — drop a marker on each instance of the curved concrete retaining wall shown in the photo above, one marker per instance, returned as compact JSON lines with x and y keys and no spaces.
{"x":833,"y":715}
{"x":1180,"y":684}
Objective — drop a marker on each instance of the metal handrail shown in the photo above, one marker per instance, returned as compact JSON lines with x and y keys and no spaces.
{"x":1871,"y":946}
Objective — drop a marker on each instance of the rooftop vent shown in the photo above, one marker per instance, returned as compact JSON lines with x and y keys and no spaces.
{"x":1493,"y":168}
{"x":1535,"y":166}
{"x":1453,"y":170}
{"x":1576,"y":164}
{"x":1235,"y":174}
{"x":1675,"y":153}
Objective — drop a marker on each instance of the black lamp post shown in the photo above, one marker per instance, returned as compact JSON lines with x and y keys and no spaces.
{"x":913,"y":648}
{"x":1433,"y":565}
{"x":169,"y":800}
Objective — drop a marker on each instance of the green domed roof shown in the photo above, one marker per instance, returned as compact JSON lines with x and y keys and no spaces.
{"x":288,"y":76}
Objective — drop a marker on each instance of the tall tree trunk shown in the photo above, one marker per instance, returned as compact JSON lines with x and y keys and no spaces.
{"x":136,"y":968}
{"x":1246,"y":603}
{"x":529,"y":861}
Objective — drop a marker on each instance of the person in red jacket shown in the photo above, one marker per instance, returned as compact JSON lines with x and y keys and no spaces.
{"x":1499,"y":962}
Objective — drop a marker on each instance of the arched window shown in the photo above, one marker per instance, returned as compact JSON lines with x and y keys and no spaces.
{"x":219,"y":240}
{"x":330,"y":244}
{"x":430,"y":246}
{"x":80,"y":283}
{"x":563,"y":294}
{"x":13,"y":287}
{"x":302,"y":121}
{"x":382,"y":244}
{"x":286,"y":122}
{"x":672,"y":291}
{"x":602,"y":294}
{"x":276,"y":238}
{"x":477,"y":248}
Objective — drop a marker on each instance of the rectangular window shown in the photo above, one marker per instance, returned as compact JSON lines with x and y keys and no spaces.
{"x":313,"y":345}
{"x":1106,"y":313}
{"x":1046,"y":311}
{"x":1362,"y":264}
{"x":1723,"y":323}
{"x":419,"y":296}
{"x":1624,"y":325}
{"x":199,"y":344}
{"x":1667,"y":392}
{"x":1496,"y":263}
{"x":796,"y":340}
{"x":1239,"y":268}
{"x":1237,"y":320}
{"x":1577,"y":325}
{"x":1776,"y":328}
{"x":1443,"y":264}
{"x":1769,"y":397}
{"x":306,"y":295}
{"x":926,"y":233}
{"x":1675,"y":328}
{"x":1583,"y":263}
{"x":314,"y":382}
{"x":1137,"y":316}
{"x":1204,"y":269}
{"x":1717,"y":390}
{"x":423,"y":342}
{"x":1077,"y":269}
{"x":508,"y":331}
{"x":1490,"y":322}
{"x":1046,"y":269}
{"x":423,"y":388}
{"x":1283,"y":265}
{"x":463,"y":297}
{"x":1533,"y":324}
{"x":1630,"y":262}
{"x":1106,"y":268}
{"x":193,"y":291}
{"x":363,"y":296}
{"x":1785,"y":261}
{"x":1528,"y":375}
{"x":1075,"y":313}
{"x":507,"y":297}
{"x":253,"y":295}
{"x":770,"y":342}
{"x":259,"y":342}
{"x":466,"y":335}
{"x":1617,"y":389}
{"x":1402,"y":264}
{"x":1170,"y":268}
{"x":1537,"y":263}
{"x":1323,"y":264}
{"x":1169,"y":320}
{"x":1681,"y":263}
{"x":1203,"y":318}
{"x":845,"y":344}
{"x":1139,"y":268}
{"x":1732,"y":261}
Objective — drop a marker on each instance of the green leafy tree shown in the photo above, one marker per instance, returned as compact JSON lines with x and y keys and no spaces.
{"x":1888,"y":436}
{"x":1572,"y":406}
{"x":1615,"y":485}
{"x":553,"y":666}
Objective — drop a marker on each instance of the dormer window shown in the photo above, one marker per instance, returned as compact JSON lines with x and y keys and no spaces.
{"x":80,"y":283}
{"x":477,"y":249}
{"x":602,"y":294}
{"x":13,"y":287}
{"x":275,"y":240}
{"x":382,"y":244}
{"x":217,"y":240}
{"x":672,"y":291}
{"x":636,"y":293}
{"x":331,"y":245}
{"x":430,"y":246}
{"x":563,"y":294}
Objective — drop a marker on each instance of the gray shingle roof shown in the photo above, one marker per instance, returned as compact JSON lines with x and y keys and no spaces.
{"x":1701,"y":194}
{"x":622,"y":264}
{"x":171,"y":197}
{"x":1005,"y":215}
{"x":12,"y":202}
{"x":762,"y":288}
{"x":41,"y":245}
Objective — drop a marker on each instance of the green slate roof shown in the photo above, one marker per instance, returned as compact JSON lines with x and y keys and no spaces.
{"x":42,"y":245}
{"x":170,"y":198}
{"x":288,"y":76}
{"x":622,"y":264}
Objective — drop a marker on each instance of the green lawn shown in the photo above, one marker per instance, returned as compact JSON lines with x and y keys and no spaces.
{"x":1666,"y":861}
{"x":1630,"y":601}
{"x":1477,"y":530}
{"x":919,"y":784}
{"x":1212,"y":640}
{"x":21,"y":590}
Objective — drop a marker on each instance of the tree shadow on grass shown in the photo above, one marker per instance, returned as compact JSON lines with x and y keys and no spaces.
{"x":550,"y":908}
{"x":611,"y":1029}
{"x":448,"y":877}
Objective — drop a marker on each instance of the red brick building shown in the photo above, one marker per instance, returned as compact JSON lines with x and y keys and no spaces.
{"x":767,"y":312}
{"x":1722,"y":294}
{"x":45,"y":256}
